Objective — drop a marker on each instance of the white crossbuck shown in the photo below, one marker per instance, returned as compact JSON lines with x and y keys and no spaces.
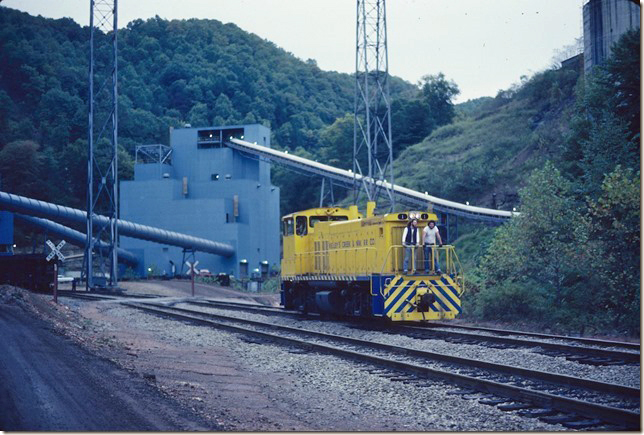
{"x":192,"y":267}
{"x":55,"y":250}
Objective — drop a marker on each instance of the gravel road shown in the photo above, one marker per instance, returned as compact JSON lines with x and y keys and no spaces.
{"x":51,"y":384}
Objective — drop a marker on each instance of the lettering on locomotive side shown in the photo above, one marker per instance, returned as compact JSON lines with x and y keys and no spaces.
{"x":346,"y":244}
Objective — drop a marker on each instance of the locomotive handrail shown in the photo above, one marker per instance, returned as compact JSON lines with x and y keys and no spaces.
{"x":449,"y":263}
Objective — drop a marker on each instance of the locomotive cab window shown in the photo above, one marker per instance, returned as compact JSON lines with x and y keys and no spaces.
{"x":315,"y":219}
{"x":300,"y":226}
{"x":288,"y":227}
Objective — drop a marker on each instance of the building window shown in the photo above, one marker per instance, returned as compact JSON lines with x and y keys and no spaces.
{"x":217,"y":137}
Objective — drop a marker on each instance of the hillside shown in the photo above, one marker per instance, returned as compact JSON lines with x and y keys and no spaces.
{"x":493,"y":143}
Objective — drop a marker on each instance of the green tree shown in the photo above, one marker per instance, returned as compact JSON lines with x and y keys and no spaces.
{"x":536,"y":256}
{"x":20,"y":169}
{"x":615,"y":232}
{"x":437,"y":93}
{"x":336,"y":143}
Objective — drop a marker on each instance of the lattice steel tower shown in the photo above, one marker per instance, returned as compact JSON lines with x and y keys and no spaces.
{"x":102,"y":162}
{"x":372,"y":145}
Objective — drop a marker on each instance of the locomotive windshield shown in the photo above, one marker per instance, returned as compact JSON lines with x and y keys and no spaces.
{"x":301,"y":229}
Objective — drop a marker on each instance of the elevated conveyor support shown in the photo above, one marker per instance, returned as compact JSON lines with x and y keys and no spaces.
{"x":346,"y":179}
{"x":34,"y":207}
{"x":75,"y":237}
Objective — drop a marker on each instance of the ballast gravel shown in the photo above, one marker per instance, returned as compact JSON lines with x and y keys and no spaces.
{"x":328,"y":393}
{"x":627,"y":375}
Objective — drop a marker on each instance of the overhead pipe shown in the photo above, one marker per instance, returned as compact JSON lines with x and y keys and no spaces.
{"x":34,"y":207}
{"x":76,"y":237}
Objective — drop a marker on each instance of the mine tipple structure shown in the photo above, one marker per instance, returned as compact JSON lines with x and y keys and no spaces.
{"x":201,"y":187}
{"x":605,"y":21}
{"x":338,"y":262}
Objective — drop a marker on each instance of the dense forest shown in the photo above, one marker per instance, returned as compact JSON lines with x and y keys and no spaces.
{"x":560,"y":146}
{"x":171,"y":73}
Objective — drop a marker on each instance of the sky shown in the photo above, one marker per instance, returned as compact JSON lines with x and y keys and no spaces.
{"x":482,"y":45}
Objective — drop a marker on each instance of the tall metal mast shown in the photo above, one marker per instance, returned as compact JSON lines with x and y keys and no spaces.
{"x":372,"y":143}
{"x":102,"y":162}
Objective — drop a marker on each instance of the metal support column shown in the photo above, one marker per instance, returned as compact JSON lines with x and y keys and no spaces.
{"x":372,"y":144}
{"x":102,"y":161}
{"x":327,"y":193}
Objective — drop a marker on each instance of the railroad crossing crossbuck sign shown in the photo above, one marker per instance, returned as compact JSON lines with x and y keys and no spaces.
{"x":192,"y":267}
{"x":55,"y":250}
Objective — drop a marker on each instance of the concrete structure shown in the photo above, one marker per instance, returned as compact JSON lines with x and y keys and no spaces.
{"x":604,"y":22}
{"x":6,"y":233}
{"x":198,"y":186}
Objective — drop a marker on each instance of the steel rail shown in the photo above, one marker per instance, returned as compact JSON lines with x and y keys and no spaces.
{"x":630,"y":357}
{"x":591,"y":341}
{"x":605,"y":353}
{"x":591,"y":410}
{"x":101,"y":297}
{"x":534,"y":374}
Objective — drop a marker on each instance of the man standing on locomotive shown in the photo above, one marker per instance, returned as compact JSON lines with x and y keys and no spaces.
{"x":410,"y":240}
{"x":430,"y":234}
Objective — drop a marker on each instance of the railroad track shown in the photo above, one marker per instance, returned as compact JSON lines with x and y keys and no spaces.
{"x":91,"y":296}
{"x":573,"y":402}
{"x":507,"y":332}
{"x":607,"y":354}
{"x":580,"y":354}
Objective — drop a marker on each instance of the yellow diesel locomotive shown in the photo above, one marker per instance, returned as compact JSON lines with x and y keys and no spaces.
{"x":338,"y":262}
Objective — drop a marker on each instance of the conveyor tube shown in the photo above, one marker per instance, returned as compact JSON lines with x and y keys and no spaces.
{"x":347,"y":178}
{"x":75,"y":237}
{"x":34,"y":207}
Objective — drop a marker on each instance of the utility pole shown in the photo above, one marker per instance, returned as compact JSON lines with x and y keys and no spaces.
{"x":102,"y":134}
{"x":372,"y":145}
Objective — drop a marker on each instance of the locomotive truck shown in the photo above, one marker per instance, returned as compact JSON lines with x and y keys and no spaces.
{"x":338,"y":262}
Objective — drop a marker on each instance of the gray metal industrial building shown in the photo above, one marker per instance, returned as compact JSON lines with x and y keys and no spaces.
{"x":200,"y":187}
{"x":604,"y":22}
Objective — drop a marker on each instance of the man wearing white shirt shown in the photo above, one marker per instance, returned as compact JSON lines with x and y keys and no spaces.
{"x":430,"y":234}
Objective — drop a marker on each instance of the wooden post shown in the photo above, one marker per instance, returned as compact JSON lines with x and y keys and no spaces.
{"x":55,"y":282}
{"x":192,"y":275}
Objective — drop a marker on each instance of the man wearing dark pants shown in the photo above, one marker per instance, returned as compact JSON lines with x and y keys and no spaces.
{"x":430,"y":234}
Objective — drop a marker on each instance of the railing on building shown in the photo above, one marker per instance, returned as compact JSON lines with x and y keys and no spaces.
{"x":160,"y":154}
